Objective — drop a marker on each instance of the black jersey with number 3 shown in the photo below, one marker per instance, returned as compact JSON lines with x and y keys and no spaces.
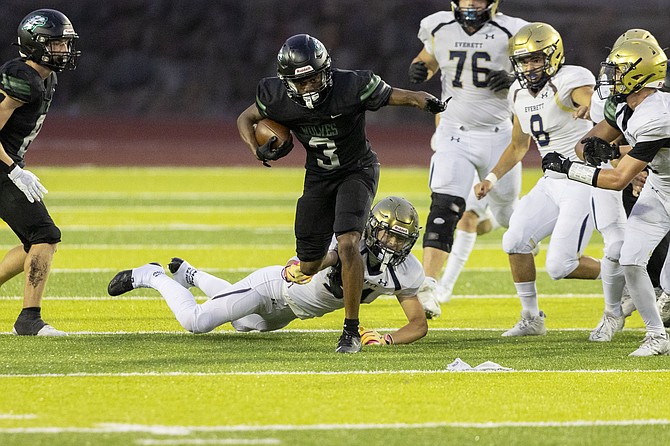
{"x":333,"y":133}
{"x":23,"y":83}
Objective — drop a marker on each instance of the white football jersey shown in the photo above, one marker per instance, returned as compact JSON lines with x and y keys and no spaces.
{"x":547,"y":116}
{"x":650,"y":122}
{"x":464,"y":61}
{"x":314,"y":298}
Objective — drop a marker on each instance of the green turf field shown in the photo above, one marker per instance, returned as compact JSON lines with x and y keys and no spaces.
{"x":129,"y":375}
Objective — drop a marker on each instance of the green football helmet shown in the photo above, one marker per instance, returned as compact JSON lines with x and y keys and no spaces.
{"x":36,"y":32}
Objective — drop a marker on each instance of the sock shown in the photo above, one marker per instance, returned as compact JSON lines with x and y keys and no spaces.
{"x":29,"y":321}
{"x":528,"y":295}
{"x":613,"y":281}
{"x":210,"y":285}
{"x":642,"y":291}
{"x":351,"y":326}
{"x":464,"y":243}
{"x":31,"y":313}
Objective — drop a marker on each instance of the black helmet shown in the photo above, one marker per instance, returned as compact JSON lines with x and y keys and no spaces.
{"x":471,"y":17}
{"x":301,"y":57}
{"x":38,"y":29}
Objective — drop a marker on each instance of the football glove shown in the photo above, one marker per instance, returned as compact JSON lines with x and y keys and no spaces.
{"x":556,"y":162}
{"x":597,"y":150}
{"x":371,"y":337}
{"x":292,"y":274}
{"x":435,"y":106}
{"x":266,"y":153}
{"x":499,"y":80}
{"x":28,"y":183}
{"x":418,"y":72}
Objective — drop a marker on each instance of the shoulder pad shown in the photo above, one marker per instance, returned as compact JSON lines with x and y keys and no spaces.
{"x":20,"y":82}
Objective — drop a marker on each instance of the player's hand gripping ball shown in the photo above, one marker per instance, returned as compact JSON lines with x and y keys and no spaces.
{"x":274,"y":140}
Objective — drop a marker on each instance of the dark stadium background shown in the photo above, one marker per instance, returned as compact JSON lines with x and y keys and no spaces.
{"x":161,"y":82}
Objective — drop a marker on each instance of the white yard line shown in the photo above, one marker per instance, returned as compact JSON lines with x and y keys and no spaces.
{"x":301,"y":330}
{"x":111,"y":428}
{"x":316,"y":373}
{"x":456,"y":297}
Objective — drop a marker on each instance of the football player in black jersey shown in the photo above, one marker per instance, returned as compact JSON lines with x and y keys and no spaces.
{"x":46,"y":46}
{"x":325,"y":109}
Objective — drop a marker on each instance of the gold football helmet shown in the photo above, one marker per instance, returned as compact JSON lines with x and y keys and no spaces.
{"x":392,"y":230}
{"x":474,"y":18}
{"x":631,"y":66}
{"x":634,"y":34}
{"x":530,"y":41}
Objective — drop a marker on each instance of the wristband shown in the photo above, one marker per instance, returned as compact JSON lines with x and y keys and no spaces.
{"x":583,"y":173}
{"x":7,"y":169}
{"x":388,"y":339}
{"x":491,"y":178}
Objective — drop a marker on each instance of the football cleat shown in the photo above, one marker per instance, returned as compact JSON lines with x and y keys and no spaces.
{"x":443,"y":293}
{"x":608,"y":325}
{"x":654,"y":344}
{"x":46,"y":330}
{"x":129,"y":279}
{"x":528,"y":325}
{"x":349,"y":343}
{"x":428,"y":298}
{"x":182,"y":272}
{"x":663,"y":304}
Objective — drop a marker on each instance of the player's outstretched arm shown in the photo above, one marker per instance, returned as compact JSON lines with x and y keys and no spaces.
{"x":416,"y":326}
{"x":419,"y":99}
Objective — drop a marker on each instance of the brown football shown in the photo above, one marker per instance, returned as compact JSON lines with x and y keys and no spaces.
{"x":267,"y":128}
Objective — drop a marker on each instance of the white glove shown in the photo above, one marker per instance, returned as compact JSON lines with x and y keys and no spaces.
{"x":28,"y":183}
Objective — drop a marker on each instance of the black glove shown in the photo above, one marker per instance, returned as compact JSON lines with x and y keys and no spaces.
{"x":597,"y":150}
{"x":267,"y":153}
{"x":418,"y":73}
{"x":556,"y":162}
{"x":499,"y":80}
{"x":435,"y":106}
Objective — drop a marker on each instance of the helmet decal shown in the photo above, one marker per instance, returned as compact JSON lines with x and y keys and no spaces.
{"x":34,"y":22}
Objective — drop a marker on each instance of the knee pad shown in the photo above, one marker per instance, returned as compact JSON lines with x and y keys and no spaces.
{"x":445,"y":211}
{"x":513,"y":242}
{"x":560,"y":269}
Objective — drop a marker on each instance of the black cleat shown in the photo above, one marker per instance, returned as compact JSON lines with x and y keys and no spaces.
{"x":174,"y":264}
{"x":124,"y":282}
{"x":349,"y":343}
{"x":182,"y":272}
{"x":121,"y":283}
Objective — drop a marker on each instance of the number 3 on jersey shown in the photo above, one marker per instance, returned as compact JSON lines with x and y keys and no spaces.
{"x":327,"y":159}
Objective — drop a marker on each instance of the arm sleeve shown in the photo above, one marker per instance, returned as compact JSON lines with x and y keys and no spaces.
{"x":16,"y":83}
{"x":375,"y":93}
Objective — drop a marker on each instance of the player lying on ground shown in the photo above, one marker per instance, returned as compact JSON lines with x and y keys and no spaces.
{"x":265,"y":301}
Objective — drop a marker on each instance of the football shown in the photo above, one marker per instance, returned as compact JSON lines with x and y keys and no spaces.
{"x":267,"y":128}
